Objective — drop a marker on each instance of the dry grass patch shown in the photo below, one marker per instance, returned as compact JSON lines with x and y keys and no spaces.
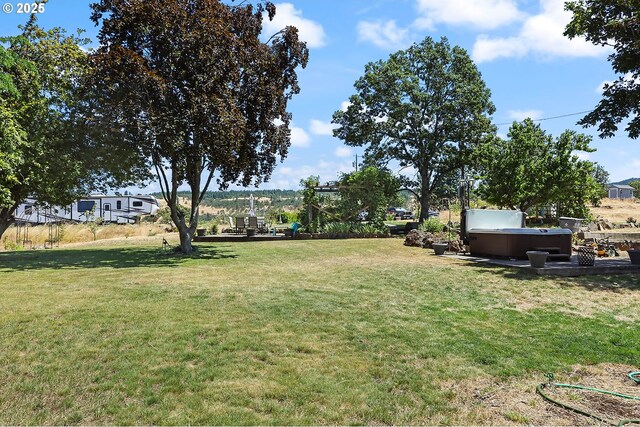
{"x":617,"y":210}
{"x":83,"y":233}
{"x":492,"y":401}
{"x":583,"y":297}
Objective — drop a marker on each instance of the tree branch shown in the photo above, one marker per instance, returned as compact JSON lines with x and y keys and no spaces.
{"x":410,"y":191}
{"x":162,"y":178}
{"x":206,"y":186}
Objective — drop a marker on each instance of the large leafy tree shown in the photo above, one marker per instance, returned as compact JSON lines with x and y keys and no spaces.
{"x":190,"y":85}
{"x":45,"y":150}
{"x":532,"y":169}
{"x":424,"y":107}
{"x":612,"y":23}
{"x":601,"y":176}
{"x":369,"y":192}
{"x":313,"y":215}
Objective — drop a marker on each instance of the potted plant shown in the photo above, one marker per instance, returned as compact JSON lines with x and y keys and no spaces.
{"x":439,"y":248}
{"x":537,"y":259}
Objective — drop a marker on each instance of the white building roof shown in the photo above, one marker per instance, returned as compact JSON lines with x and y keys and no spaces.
{"x":621,"y":187}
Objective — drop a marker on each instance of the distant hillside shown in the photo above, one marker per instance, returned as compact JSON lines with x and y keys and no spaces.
{"x":237,"y":201}
{"x":626,"y":181}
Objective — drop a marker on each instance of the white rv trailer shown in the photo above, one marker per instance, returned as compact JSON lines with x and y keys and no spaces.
{"x":116,"y":209}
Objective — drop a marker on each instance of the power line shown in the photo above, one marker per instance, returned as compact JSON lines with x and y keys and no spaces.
{"x":546,"y":118}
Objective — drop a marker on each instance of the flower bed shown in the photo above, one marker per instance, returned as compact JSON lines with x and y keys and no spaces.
{"x":341,"y":235}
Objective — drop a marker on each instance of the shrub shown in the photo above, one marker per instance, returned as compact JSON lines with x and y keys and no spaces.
{"x":10,"y":244}
{"x":432,"y":225}
{"x":348,"y":227}
{"x":61,"y":232}
{"x":212,"y":228}
{"x":164,"y":214}
{"x":95,"y":225}
{"x":282,"y":217}
{"x":290,"y":217}
{"x":337,"y":228}
{"x":372,"y":229}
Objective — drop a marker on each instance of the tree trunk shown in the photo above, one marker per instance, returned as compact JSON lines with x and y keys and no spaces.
{"x":6,"y":218}
{"x":185,"y":240}
{"x":425,"y":200}
{"x":186,"y":232}
{"x":4,"y":225}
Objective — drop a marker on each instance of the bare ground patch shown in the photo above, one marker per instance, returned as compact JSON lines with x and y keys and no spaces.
{"x":489,"y":400}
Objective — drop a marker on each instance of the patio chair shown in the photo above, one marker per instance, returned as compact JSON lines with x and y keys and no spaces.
{"x":253,"y":223}
{"x":262,"y":225}
{"x":240,"y":224}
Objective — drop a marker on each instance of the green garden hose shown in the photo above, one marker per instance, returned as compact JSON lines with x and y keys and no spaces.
{"x":633,"y":376}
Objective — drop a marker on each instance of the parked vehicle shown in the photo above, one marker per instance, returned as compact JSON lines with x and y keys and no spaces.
{"x":115,"y":209}
{"x":402,"y":213}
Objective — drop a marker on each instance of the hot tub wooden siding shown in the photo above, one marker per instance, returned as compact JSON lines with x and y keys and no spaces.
{"x":514,"y":243}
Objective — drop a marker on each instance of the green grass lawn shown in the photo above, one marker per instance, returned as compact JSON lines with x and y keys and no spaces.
{"x":310,"y":332}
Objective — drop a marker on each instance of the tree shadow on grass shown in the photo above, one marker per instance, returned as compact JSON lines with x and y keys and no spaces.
{"x":598,"y":282}
{"x":105,"y":257}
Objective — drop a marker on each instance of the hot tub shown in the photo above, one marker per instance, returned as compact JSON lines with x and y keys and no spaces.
{"x":515,"y":242}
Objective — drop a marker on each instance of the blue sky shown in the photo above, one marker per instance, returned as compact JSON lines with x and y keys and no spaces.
{"x":530,"y":68}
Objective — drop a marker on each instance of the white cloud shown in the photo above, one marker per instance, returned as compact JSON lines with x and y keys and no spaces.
{"x":540,"y":34}
{"x":600,"y":88}
{"x":487,"y":49}
{"x":629,"y":78}
{"x":385,"y":35}
{"x":299,"y":138}
{"x":287,"y":15}
{"x":582,"y":155}
{"x":343,"y":152}
{"x":345,"y":105}
{"x":318,"y":127}
{"x":289,"y":177}
{"x":520,"y":115}
{"x":483,"y":14}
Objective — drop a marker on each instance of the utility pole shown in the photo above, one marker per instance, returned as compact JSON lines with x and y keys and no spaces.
{"x":355,"y":164}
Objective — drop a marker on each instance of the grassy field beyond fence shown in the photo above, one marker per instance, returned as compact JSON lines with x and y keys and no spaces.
{"x":306,"y":332}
